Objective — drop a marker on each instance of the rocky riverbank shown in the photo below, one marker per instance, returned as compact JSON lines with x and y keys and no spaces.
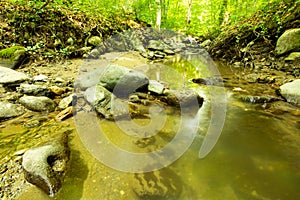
{"x":37,"y":93}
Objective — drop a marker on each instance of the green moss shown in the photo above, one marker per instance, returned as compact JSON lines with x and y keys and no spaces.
{"x":12,"y":53}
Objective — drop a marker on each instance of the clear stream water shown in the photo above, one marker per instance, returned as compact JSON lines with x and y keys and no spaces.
{"x":256,"y":157}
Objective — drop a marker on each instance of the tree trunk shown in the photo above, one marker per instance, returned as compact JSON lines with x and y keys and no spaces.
{"x":158,"y":14}
{"x":165,"y":10}
{"x":222,"y":12}
{"x":189,"y":13}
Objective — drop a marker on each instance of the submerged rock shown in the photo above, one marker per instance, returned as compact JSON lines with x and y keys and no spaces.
{"x":8,"y":110}
{"x":162,"y":184}
{"x":259,"y":99}
{"x":208,"y":81}
{"x":37,"y":103}
{"x":289,"y":41}
{"x":45,"y":166}
{"x":291,"y":92}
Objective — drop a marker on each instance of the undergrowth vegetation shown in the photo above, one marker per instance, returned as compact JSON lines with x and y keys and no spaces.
{"x":264,"y":28}
{"x":55,"y":29}
{"x":44,"y":28}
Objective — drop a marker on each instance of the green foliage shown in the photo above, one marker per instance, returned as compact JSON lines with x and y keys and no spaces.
{"x":208,"y":17}
{"x":38,"y":25}
{"x":263,"y":27}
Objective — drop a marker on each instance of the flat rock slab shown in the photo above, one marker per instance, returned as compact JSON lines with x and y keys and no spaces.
{"x":9,"y":110}
{"x":8,"y":76}
{"x":291,"y":92}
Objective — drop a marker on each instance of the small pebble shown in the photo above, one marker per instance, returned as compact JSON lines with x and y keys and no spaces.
{"x":41,"y":77}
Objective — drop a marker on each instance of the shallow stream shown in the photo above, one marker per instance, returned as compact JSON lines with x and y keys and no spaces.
{"x":256,"y":157}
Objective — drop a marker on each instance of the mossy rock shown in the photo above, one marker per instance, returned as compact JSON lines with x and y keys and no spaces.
{"x":94,"y":41}
{"x":288,"y":42}
{"x":12,"y":57}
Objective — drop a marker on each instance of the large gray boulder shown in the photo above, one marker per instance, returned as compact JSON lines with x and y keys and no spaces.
{"x":9,"y":110}
{"x":122,"y":81}
{"x":291,"y":92}
{"x":111,"y":76}
{"x":289,"y":41}
{"x":8,"y":76}
{"x":38,"y":104}
{"x":45,"y":166}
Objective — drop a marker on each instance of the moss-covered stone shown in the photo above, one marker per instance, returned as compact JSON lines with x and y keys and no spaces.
{"x":295,"y":56}
{"x":94,"y":41}
{"x":11,"y":52}
{"x":289,"y":41}
{"x":12,"y":57}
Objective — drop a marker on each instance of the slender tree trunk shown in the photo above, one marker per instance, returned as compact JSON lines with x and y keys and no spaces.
{"x":150,"y":11}
{"x":222,"y":12}
{"x":189,"y":13}
{"x":165,"y":11}
{"x":158,"y":13}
